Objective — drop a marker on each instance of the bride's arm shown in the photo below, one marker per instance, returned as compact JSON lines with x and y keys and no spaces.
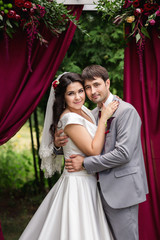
{"x":81,"y":137}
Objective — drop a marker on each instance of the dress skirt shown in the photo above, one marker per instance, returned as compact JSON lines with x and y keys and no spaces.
{"x":72,"y":210}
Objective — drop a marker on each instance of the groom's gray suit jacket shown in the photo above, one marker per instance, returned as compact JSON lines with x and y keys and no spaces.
{"x":121,"y":167}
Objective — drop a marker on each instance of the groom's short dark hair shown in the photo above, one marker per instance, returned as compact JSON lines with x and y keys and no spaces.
{"x":92,"y":71}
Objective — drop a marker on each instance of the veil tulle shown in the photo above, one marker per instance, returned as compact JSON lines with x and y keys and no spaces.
{"x":51,"y":162}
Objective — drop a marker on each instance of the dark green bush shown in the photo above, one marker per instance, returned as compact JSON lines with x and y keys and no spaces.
{"x":16,"y":168}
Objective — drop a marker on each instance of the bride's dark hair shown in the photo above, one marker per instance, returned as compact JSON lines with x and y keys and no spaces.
{"x":60,"y":89}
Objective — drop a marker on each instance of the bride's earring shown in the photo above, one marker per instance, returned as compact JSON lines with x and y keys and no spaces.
{"x":64,"y":105}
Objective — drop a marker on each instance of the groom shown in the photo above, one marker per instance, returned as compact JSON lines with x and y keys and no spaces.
{"x":120,"y":167}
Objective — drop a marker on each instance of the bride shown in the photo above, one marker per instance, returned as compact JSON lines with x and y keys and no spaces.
{"x":72,"y":210}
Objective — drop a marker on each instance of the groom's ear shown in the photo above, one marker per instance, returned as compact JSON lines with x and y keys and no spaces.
{"x":108,"y":83}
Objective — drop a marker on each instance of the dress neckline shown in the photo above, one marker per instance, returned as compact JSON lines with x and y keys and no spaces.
{"x":85,"y":110}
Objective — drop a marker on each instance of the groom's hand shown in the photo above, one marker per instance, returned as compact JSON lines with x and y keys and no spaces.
{"x":74,"y":164}
{"x":60,"y":141}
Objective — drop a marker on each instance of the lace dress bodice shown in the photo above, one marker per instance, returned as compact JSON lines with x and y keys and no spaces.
{"x":73,"y":118}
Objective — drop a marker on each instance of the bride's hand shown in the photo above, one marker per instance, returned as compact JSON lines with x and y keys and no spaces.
{"x":108,"y":111}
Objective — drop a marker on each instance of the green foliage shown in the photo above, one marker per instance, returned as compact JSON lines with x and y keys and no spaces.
{"x":56,"y":15}
{"x":109,"y":7}
{"x":15,"y":168}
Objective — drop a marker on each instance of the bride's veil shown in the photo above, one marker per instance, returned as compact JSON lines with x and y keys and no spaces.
{"x":50,"y":162}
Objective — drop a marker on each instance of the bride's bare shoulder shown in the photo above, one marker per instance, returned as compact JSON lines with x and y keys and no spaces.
{"x":65,"y":111}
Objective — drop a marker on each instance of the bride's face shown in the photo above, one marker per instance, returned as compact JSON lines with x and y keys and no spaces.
{"x":74,"y":96}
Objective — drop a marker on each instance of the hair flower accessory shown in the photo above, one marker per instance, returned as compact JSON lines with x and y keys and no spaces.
{"x":55,"y":84}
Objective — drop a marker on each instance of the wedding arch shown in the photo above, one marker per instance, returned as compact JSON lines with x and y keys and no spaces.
{"x":21,"y":91}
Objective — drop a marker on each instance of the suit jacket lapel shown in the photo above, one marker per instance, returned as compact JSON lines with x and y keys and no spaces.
{"x":95,"y":113}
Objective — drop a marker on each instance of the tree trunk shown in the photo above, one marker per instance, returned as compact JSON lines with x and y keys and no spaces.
{"x":36,"y":124}
{"x":33,"y":152}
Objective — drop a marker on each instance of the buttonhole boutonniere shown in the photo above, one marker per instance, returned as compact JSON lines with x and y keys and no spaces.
{"x":108,"y":124}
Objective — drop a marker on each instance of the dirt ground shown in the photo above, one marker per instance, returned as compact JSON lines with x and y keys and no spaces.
{"x":15,"y":213}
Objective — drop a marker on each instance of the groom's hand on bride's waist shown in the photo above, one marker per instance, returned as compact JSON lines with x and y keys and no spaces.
{"x":74,"y":163}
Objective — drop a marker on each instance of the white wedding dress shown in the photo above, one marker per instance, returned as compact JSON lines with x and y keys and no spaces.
{"x":72,"y":210}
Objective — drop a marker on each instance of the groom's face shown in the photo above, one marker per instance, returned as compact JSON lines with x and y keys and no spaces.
{"x":97,"y":90}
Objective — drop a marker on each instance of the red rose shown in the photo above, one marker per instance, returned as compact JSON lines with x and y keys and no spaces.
{"x":127,"y":4}
{"x":23,"y":21}
{"x":17,"y":17}
{"x":138,"y":11}
{"x":32,"y":11}
{"x":148,"y":7}
{"x":27,"y":4}
{"x":19,"y":3}
{"x":136,"y":3}
{"x":42,"y":10}
{"x":155,"y":6}
{"x":11,"y":14}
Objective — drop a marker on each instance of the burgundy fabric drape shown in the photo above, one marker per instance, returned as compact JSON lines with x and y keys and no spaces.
{"x":20,"y":89}
{"x":1,"y":234}
{"x":144,"y":95}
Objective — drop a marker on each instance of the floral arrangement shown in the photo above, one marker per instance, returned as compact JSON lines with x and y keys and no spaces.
{"x":28,"y":15}
{"x":139,"y":14}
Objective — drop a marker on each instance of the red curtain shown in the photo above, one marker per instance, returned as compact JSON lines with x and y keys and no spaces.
{"x":20,"y":89}
{"x":1,"y":234}
{"x":144,"y":93}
